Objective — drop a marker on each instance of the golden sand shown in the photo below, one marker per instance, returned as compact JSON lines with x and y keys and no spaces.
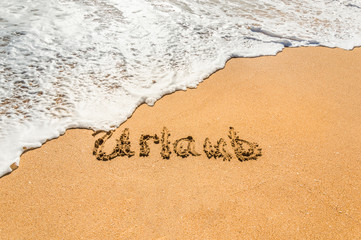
{"x":302,"y":107}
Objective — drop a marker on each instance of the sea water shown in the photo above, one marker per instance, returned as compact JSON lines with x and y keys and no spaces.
{"x":90,"y":63}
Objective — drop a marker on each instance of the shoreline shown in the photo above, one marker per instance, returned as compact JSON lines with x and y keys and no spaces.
{"x":302,"y":108}
{"x":14,"y":166}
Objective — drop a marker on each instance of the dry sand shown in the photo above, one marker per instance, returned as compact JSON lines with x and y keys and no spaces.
{"x":303,"y":107}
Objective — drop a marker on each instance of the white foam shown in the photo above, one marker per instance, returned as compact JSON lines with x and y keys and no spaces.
{"x":90,"y":63}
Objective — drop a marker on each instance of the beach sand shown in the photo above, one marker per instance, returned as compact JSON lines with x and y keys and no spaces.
{"x":302,"y":107}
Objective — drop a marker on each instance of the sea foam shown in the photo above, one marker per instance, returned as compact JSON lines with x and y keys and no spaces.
{"x":90,"y":63}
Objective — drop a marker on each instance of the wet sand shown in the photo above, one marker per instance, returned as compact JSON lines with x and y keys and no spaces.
{"x":302,"y":107}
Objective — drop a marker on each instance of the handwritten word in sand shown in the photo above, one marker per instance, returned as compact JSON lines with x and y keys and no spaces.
{"x":183,"y":147}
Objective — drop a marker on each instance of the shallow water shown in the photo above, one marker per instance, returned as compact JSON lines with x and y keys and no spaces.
{"x":87,"y":63}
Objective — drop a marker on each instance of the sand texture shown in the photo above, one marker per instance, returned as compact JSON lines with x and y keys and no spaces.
{"x":302,"y":107}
